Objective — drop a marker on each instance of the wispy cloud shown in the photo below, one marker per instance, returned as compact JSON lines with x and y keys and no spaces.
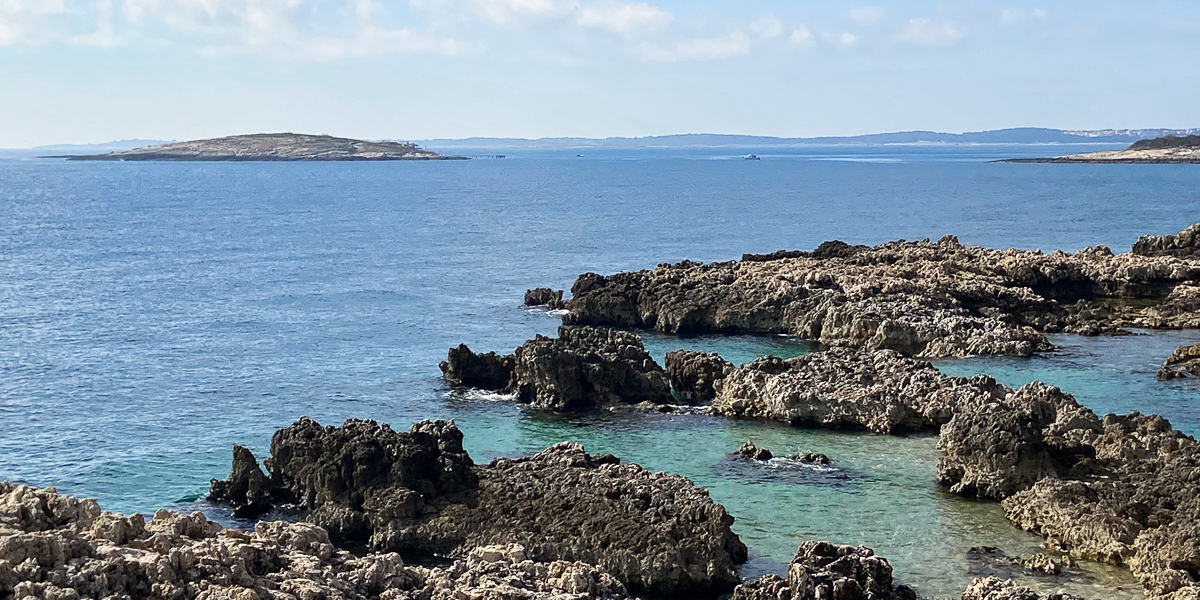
{"x":927,"y":32}
{"x":866,"y":15}
{"x":25,"y":20}
{"x":734,"y":44}
{"x":624,"y":19}
{"x":1011,"y":16}
{"x":801,"y":36}
{"x":844,"y":39}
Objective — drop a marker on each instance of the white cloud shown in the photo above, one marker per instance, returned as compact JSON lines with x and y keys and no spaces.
{"x":927,"y":32}
{"x":504,"y":12}
{"x":767,"y":26}
{"x":623,"y":18}
{"x":1014,"y":15}
{"x":866,"y":15}
{"x":734,"y":44}
{"x":26,"y":20}
{"x":801,"y":36}
{"x":844,"y":39}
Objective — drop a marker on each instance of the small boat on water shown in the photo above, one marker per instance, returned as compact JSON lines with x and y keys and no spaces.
{"x":751,"y":157}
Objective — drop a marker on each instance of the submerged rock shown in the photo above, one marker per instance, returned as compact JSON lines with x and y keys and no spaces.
{"x":583,"y":368}
{"x":61,"y":548}
{"x":823,"y":570}
{"x":845,"y":388}
{"x":752,"y":452}
{"x":1037,"y":564}
{"x":1183,"y":362}
{"x":419,"y":494}
{"x":552,"y":299}
{"x":920,"y":298}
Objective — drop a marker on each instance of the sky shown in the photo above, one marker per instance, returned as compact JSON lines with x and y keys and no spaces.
{"x":88,"y":71}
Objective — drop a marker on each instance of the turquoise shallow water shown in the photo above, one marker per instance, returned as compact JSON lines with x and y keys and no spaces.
{"x":152,"y":315}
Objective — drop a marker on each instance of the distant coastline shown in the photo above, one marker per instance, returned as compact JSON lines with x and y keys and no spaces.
{"x":1163,"y":150}
{"x":276,"y":147}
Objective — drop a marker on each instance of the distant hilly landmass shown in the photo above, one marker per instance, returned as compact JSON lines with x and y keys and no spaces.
{"x":1021,"y":135}
{"x":272,"y":147}
{"x":1169,"y":149}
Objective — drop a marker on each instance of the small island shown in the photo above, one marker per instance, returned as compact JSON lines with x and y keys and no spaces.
{"x":274,"y":147}
{"x":1163,"y":150}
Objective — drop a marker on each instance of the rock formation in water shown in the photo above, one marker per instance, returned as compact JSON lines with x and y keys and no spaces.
{"x":992,"y":588}
{"x":419,"y":494}
{"x":693,"y":374}
{"x":847,"y":388}
{"x":552,"y":299}
{"x":752,"y":452}
{"x":1183,"y":362}
{"x":822,"y":570}
{"x":1122,"y":489}
{"x":55,"y":547}
{"x":919,"y":298}
{"x":583,"y":368}
{"x":274,"y":147}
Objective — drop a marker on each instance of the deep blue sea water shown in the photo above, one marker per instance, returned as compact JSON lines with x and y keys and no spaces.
{"x":153,"y":314}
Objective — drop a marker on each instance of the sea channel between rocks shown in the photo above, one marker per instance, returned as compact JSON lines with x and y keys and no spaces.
{"x":565,"y":523}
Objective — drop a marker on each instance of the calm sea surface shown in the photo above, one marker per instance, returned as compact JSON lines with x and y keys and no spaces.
{"x":151,"y":315}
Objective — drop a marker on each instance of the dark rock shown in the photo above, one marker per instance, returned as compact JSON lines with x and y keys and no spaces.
{"x":693,"y":374}
{"x":247,"y":489}
{"x":811,"y":458}
{"x":836,"y":249}
{"x":822,"y":570}
{"x":1183,"y":362}
{"x":752,"y":452}
{"x":588,"y":367}
{"x":488,"y":371}
{"x":776,"y":255}
{"x":547,"y":297}
{"x":996,"y":559}
{"x":418,"y":494}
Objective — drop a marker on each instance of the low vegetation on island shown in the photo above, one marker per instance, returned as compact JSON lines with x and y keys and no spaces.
{"x":274,"y":147}
{"x":1169,"y":149}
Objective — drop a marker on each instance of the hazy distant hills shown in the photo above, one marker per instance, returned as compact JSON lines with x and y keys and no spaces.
{"x":1022,"y":135}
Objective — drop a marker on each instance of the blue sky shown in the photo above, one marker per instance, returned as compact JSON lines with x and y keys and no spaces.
{"x":99,"y":70}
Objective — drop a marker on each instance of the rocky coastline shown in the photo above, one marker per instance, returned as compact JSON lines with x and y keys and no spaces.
{"x":1165,"y":150}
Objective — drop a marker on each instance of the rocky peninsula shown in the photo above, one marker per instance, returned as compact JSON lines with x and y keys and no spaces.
{"x":274,"y":147}
{"x":1163,"y":150}
{"x":927,"y":299}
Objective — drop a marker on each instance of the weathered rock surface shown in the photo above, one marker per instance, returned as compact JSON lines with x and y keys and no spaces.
{"x":920,"y":298}
{"x":55,"y":547}
{"x":752,"y":452}
{"x":418,"y":494}
{"x":692,"y":374}
{"x":992,"y":588}
{"x":547,"y":297}
{"x":486,"y":371}
{"x":1183,"y":362}
{"x":847,"y":388}
{"x":274,"y":147}
{"x":1185,"y":244}
{"x":583,"y":368}
{"x":821,"y":570}
{"x":1037,"y":564}
{"x":1122,"y":489}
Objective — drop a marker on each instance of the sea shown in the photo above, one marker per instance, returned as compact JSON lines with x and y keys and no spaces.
{"x":154,"y":314}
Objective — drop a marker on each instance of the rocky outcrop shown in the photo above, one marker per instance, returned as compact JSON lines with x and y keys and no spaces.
{"x":1183,"y":362}
{"x":992,"y":588}
{"x":418,"y":494}
{"x":920,"y":298}
{"x":824,"y":570}
{"x":1185,"y":244}
{"x":552,"y":299}
{"x":485,"y":371}
{"x":1164,"y":150}
{"x":693,"y":374}
{"x":583,"y":368}
{"x":1121,"y":489}
{"x":752,"y":452}
{"x":54,"y":547}
{"x":845,"y":388}
{"x":1037,"y":564}
{"x":274,"y":147}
